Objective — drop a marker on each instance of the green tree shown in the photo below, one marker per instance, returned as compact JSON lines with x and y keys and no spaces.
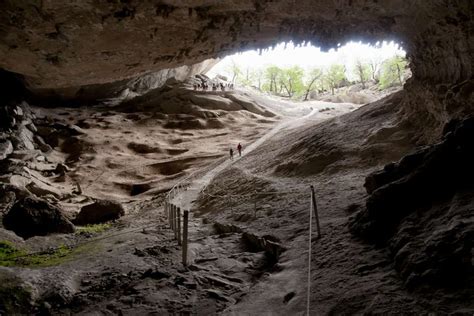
{"x":271,"y":75}
{"x":311,"y":80}
{"x":362,"y":71}
{"x":235,"y":71}
{"x":374,"y":64}
{"x":334,"y":76}
{"x":258,"y":78}
{"x":291,"y":79}
{"x":393,"y":72}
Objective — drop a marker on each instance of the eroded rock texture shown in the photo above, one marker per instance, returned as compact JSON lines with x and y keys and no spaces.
{"x":34,"y":217}
{"x":422,"y":208}
{"x":59,"y":47}
{"x":99,"y":212}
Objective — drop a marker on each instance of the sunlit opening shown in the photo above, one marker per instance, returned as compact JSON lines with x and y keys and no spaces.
{"x":306,"y":72}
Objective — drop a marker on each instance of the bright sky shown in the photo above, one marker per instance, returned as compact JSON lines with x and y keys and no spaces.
{"x":309,"y":56}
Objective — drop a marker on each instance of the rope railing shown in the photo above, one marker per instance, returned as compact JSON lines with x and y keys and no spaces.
{"x":252,"y":194}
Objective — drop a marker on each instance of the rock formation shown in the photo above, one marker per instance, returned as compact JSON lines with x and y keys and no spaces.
{"x":61,"y":47}
{"x":422,"y":208}
{"x":99,"y":212}
{"x":34,"y":217}
{"x":82,"y":52}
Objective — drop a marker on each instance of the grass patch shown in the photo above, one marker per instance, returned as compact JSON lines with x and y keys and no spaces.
{"x":12,"y":256}
{"x":93,"y":228}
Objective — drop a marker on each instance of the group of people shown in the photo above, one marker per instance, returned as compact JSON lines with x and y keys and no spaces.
{"x":215,"y":86}
{"x":239,"y":150}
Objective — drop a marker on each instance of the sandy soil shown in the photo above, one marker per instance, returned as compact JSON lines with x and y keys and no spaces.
{"x":249,"y":223}
{"x":131,"y":154}
{"x":348,"y":276}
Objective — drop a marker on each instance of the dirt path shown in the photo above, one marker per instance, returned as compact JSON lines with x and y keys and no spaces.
{"x":185,"y":198}
{"x":123,"y":268}
{"x":202,"y":243}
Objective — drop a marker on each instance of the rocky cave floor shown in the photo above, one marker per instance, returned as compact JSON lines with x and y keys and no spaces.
{"x":249,"y":231}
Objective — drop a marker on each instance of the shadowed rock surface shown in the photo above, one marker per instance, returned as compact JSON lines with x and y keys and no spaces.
{"x":30,"y":217}
{"x":121,"y":142}
{"x":422,"y":208}
{"x":62,"y":53}
{"x":99,"y":212}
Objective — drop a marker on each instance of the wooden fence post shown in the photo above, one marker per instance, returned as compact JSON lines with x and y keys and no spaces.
{"x":185,"y":237}
{"x":169,"y":213}
{"x":315,"y":208}
{"x":178,"y":228}
{"x":173,"y":218}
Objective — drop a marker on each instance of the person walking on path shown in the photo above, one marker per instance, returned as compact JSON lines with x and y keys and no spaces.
{"x":239,"y":149}
{"x":231,"y":152}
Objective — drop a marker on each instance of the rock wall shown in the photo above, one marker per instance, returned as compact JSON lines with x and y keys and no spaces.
{"x":421,"y":208}
{"x":64,"y":45}
{"x":118,"y":90}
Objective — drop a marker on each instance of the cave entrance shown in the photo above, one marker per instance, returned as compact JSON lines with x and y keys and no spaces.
{"x":351,"y":73}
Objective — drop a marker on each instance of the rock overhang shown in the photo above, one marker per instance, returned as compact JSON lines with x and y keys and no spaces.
{"x":57,"y":44}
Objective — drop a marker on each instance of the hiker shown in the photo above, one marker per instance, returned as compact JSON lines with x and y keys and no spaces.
{"x":239,"y":149}
{"x":231,"y":151}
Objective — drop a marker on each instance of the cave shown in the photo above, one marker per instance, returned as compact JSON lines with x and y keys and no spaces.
{"x":99,"y":121}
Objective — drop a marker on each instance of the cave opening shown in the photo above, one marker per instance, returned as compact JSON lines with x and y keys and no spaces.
{"x":104,"y":123}
{"x":354,"y":73}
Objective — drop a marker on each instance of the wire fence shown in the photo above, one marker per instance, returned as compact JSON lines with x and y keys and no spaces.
{"x":173,"y":213}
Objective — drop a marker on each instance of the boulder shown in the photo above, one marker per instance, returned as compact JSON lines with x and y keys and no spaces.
{"x":18,"y":112}
{"x":24,"y":155}
{"x":49,"y":135}
{"x":24,"y":139}
{"x":67,"y":130}
{"x":42,"y":144}
{"x":44,"y":131}
{"x":40,"y":188}
{"x":99,"y":212}
{"x":31,"y":126}
{"x":75,"y":148}
{"x":31,"y":216}
{"x":6,"y":148}
{"x":221,"y":229}
{"x":6,"y":189}
{"x":61,"y":169}
{"x":7,"y":199}
{"x":269,"y":244}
